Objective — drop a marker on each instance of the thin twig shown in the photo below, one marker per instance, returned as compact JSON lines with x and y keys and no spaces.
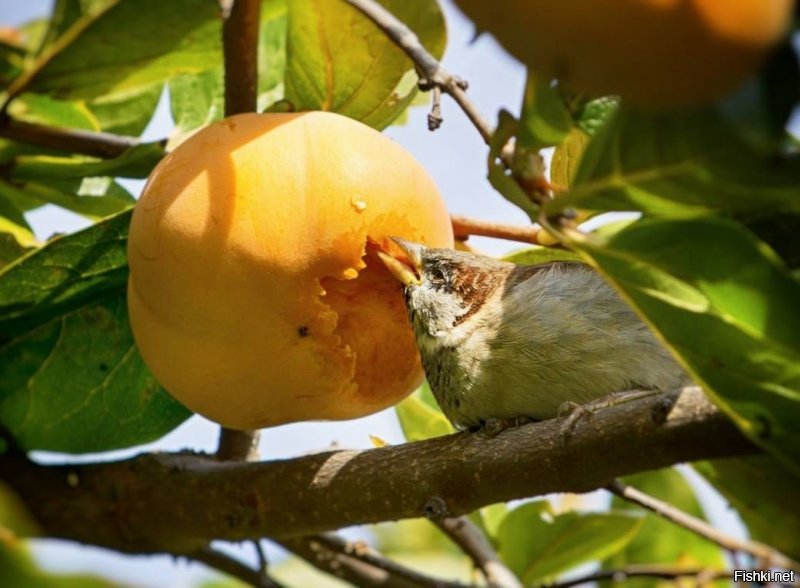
{"x":105,"y":145}
{"x":233,"y":567}
{"x":240,"y":43}
{"x":359,"y":564}
{"x":469,"y":537}
{"x":769,"y":555}
{"x":432,"y":74}
{"x":464,"y":227}
{"x":703,"y":576}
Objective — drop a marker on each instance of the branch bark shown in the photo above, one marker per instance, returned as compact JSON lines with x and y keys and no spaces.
{"x":104,"y":145}
{"x":148,"y":503}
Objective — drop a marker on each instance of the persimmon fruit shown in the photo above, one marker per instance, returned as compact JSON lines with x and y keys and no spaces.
{"x":661,"y":54}
{"x":256,"y":296}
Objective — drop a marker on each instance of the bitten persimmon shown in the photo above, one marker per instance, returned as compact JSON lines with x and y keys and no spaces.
{"x":654,"y":53}
{"x":255,"y":294}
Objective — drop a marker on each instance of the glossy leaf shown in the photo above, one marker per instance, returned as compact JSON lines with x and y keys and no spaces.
{"x":78,"y":384}
{"x":544,"y":120}
{"x":64,"y":274}
{"x":94,"y":198}
{"x":678,"y":165}
{"x":764,"y":494}
{"x":712,"y":277}
{"x":499,"y":177}
{"x":143,"y":42}
{"x":536,"y":255}
{"x":37,"y":108}
{"x":338,"y":60}
{"x":660,"y":541}
{"x":197,"y":100}
{"x":567,"y":157}
{"x":538,"y":545}
{"x":128,"y":112}
{"x":420,"y":416}
{"x":136,"y":162}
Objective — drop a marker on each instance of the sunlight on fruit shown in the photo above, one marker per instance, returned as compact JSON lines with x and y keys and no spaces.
{"x":656,"y":53}
{"x":255,"y":295}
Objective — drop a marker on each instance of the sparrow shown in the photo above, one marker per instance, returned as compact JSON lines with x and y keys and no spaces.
{"x":506,"y":342}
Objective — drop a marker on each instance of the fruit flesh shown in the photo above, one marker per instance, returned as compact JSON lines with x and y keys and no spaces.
{"x":253,"y":295}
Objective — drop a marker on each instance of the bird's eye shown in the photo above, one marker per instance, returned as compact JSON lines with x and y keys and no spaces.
{"x":437,"y":276}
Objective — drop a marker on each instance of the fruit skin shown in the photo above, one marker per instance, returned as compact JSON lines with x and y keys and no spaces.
{"x":661,"y":54}
{"x":244,"y":250}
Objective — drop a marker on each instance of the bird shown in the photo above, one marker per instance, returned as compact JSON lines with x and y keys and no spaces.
{"x":501,"y":342}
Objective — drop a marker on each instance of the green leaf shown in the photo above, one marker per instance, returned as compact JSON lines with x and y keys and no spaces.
{"x":16,"y":235}
{"x":536,"y":255}
{"x":127,"y":112}
{"x":545,"y":120}
{"x":338,"y":60}
{"x":679,"y":165}
{"x":136,"y":162}
{"x":712,"y":276}
{"x":660,"y":541}
{"x":63,"y":275}
{"x":37,"y":108}
{"x":567,"y":157}
{"x":764,"y":494}
{"x":130,"y":44}
{"x":499,"y":177}
{"x":71,"y":378}
{"x":420,"y":417}
{"x":538,"y":545}
{"x":77,"y":383}
{"x":197,"y":100}
{"x":272,"y":51}
{"x":94,"y":198}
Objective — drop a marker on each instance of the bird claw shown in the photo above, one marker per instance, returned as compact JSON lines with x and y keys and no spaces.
{"x":491,"y":428}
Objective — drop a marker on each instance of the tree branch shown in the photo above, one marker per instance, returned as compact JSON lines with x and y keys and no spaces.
{"x":144,"y":504}
{"x":105,"y":145}
{"x":233,"y":567}
{"x":764,"y":553}
{"x":703,"y":576}
{"x":464,"y":227}
{"x":357,"y":563}
{"x":432,"y":74}
{"x":240,"y":40}
{"x":464,"y":533}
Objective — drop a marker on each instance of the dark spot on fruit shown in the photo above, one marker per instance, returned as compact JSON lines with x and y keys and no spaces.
{"x":303,"y":331}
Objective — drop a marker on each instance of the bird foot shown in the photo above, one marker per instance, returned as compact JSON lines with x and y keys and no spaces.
{"x":574,"y":412}
{"x":491,"y":428}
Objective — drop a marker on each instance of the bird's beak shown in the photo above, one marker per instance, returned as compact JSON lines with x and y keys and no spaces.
{"x":407,"y":273}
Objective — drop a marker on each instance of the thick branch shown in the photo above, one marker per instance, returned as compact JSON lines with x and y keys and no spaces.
{"x":148,"y":502}
{"x":105,"y":145}
{"x":240,"y":39}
